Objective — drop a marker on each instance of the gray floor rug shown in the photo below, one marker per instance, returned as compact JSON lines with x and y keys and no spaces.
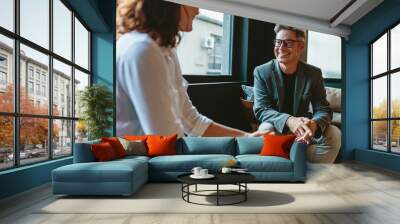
{"x":166,"y":198}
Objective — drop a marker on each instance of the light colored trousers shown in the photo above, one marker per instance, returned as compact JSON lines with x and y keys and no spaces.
{"x":321,"y":150}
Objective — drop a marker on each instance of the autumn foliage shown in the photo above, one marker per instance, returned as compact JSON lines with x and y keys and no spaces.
{"x":33,"y":130}
{"x":380,"y":127}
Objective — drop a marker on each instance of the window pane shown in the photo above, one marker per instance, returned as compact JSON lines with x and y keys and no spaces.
{"x":379,"y":135}
{"x":35,"y":21}
{"x":395,"y":136}
{"x":395,"y":95}
{"x":62,"y":141}
{"x":330,"y":64}
{"x":33,"y":140}
{"x":6,"y":74}
{"x":379,"y":56}
{"x":81,"y":45}
{"x":81,"y":131}
{"x":6,"y":142}
{"x":34,"y":72}
{"x":206,"y":50}
{"x":7,"y":14}
{"x":379,"y":97}
{"x":81,"y":81}
{"x":62,"y":29}
{"x":395,"y":47}
{"x":62,"y":89}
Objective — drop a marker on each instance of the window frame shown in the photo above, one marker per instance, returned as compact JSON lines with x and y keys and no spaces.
{"x":388,"y":74}
{"x":16,"y":115}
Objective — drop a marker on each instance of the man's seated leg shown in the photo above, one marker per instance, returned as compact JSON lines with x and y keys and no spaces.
{"x":326,"y":148}
{"x":266,"y":126}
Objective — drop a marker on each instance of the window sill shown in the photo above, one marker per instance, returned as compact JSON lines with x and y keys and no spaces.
{"x":30,"y":166}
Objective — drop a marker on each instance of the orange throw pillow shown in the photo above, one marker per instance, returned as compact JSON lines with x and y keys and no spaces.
{"x":277,"y":145}
{"x":103,"y":152}
{"x":161,"y":145}
{"x":116,"y":145}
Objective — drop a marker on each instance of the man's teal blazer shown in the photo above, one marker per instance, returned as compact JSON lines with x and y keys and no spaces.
{"x":269,"y":96}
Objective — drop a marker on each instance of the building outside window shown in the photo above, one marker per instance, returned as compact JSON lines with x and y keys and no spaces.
{"x":3,"y":72}
{"x":385,"y":95}
{"x":38,"y":89}
{"x":215,"y":57}
{"x":206,"y":50}
{"x":37,"y":75}
{"x":43,"y":90}
{"x":30,"y":87}
{"x":58,"y":134}
{"x":44,"y":77}
{"x":3,"y":61}
{"x":30,"y":72}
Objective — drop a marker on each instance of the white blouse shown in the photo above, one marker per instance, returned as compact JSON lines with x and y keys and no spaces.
{"x":151,"y":92}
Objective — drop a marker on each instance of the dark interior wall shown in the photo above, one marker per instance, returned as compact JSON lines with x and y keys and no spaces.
{"x":220,"y":102}
{"x":260,"y":47}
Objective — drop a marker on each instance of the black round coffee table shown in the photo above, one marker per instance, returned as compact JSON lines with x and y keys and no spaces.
{"x":238,"y":179}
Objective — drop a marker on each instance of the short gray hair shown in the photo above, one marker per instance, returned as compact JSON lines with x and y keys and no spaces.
{"x":300,"y":34}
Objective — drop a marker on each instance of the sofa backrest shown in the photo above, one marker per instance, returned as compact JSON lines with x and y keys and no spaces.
{"x":83,"y":152}
{"x":334,"y":97}
{"x":206,"y":145}
{"x":249,"y":145}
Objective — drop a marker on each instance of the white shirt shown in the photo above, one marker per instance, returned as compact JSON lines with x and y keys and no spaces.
{"x":151,"y":92}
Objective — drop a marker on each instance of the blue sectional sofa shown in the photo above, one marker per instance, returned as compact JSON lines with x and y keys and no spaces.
{"x":125,"y":176}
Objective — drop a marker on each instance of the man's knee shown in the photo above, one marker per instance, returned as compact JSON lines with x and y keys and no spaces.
{"x":326,"y":148}
{"x":333,"y":136}
{"x":266,"y":126}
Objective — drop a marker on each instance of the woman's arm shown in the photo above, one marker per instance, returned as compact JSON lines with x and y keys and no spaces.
{"x":216,"y":129}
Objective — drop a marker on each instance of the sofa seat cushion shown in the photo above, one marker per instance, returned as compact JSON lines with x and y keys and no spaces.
{"x":112,"y":171}
{"x":185,"y":163}
{"x":257,"y":163}
{"x":133,"y":158}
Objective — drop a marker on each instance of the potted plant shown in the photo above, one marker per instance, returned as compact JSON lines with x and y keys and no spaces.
{"x":96,"y":102}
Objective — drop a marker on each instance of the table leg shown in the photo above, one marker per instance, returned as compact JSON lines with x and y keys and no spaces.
{"x":217,"y":194}
{"x":245,"y":191}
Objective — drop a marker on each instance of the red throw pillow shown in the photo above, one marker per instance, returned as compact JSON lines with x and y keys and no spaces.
{"x":277,"y":145}
{"x":103,"y":152}
{"x":116,"y":145}
{"x":161,"y":145}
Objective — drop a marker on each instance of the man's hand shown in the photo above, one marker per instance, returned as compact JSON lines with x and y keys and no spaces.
{"x":260,"y":133}
{"x":304,"y":128}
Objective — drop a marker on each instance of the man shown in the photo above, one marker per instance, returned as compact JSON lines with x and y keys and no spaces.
{"x":283,"y":90}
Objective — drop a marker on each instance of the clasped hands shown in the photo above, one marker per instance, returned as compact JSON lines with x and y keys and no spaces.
{"x":304,"y":128}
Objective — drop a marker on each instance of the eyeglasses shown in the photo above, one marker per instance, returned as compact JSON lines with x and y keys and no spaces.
{"x":286,"y":43}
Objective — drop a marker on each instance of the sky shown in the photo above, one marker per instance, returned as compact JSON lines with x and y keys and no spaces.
{"x":35,"y":27}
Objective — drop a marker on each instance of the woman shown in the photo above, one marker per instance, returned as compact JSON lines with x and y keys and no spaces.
{"x":151,"y":91}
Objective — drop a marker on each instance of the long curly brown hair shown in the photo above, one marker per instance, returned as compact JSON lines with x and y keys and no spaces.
{"x":158,"y":18}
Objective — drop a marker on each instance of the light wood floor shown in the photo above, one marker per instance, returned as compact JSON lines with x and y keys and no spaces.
{"x":377,"y":188}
